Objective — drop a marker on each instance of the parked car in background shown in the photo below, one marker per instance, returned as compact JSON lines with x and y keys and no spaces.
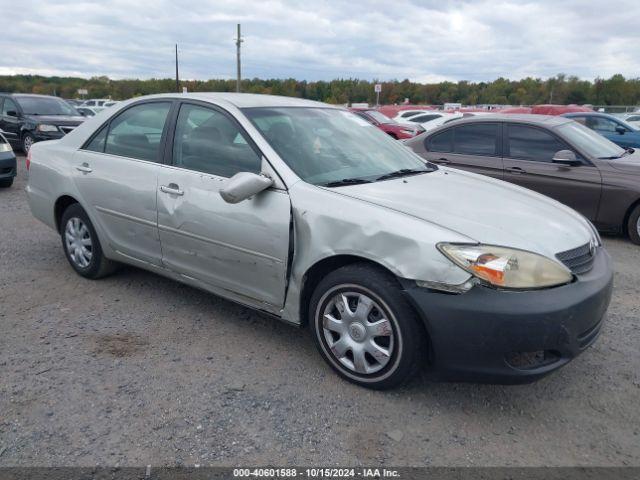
{"x":402,"y":114}
{"x":611,"y":127}
{"x":95,"y":102}
{"x":431,"y":120}
{"x":110,"y":103}
{"x":554,"y":156}
{"x":551,"y":109}
{"x":632,"y":119}
{"x":26,"y":119}
{"x":8,"y":167}
{"x":73,"y":102}
{"x":387,"y":125}
{"x":86,"y":111}
{"x":310,"y":213}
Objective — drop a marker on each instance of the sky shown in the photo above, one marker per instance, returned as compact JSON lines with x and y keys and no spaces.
{"x":424,"y":41}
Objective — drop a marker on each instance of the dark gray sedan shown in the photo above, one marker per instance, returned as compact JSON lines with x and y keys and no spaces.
{"x":555,"y":156}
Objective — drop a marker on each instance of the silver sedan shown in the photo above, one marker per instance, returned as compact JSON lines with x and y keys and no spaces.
{"x":308,"y":213}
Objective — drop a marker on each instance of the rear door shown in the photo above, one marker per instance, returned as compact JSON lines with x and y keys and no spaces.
{"x":116,"y":173}
{"x":528,"y":154}
{"x":474,"y":147}
{"x":241,"y":248}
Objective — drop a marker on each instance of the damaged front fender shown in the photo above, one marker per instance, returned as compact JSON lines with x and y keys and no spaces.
{"x":327,"y":224}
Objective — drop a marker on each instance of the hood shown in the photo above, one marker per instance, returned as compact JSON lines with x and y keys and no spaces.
{"x":628,"y":163}
{"x":481,"y":208}
{"x":56,"y":119}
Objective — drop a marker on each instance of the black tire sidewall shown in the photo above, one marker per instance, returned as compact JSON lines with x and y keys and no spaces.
{"x":93,"y":269}
{"x":632,"y":225}
{"x":6,"y":183}
{"x":409,"y":338}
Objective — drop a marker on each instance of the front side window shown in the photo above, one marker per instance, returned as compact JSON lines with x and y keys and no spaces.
{"x":327,"y":145}
{"x":9,"y":106}
{"x":528,"y":143}
{"x":479,"y":139}
{"x":208,"y":141}
{"x":602,"y":124}
{"x":137,"y":132}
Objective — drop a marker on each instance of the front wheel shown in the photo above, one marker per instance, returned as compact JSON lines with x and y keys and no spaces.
{"x":81,"y":245}
{"x":365,"y":329}
{"x":27,"y":142}
{"x":633,"y":226}
{"x":6,"y":183}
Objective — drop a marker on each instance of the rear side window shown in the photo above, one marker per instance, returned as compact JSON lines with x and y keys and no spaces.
{"x":478,"y":139}
{"x":208,"y":141}
{"x":441,"y":142}
{"x":137,"y":132}
{"x":528,"y":143}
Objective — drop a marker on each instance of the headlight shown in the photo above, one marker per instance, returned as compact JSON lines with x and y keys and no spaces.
{"x":5,"y":147}
{"x":47,"y":128}
{"x":507,"y":267}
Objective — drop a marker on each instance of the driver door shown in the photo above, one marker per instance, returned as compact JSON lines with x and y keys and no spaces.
{"x":240,"y":248}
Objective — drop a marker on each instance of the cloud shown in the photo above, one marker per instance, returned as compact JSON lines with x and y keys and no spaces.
{"x":419,"y":40}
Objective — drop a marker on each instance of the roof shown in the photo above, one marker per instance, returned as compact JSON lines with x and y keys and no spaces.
{"x":245,"y":100}
{"x":535,"y":119}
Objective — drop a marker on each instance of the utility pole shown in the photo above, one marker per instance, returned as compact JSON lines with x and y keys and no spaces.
{"x":177,"y":78}
{"x":239,"y":76}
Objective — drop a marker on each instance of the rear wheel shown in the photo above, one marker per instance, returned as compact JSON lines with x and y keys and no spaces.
{"x":365,"y":329}
{"x":6,"y":183}
{"x":633,"y":226}
{"x":81,"y":244}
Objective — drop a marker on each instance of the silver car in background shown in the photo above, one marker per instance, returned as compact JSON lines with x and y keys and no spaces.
{"x":306,"y":212}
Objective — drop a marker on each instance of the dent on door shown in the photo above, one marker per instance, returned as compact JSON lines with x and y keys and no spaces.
{"x":241,"y":248}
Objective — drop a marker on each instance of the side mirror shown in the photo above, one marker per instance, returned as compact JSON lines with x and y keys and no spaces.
{"x":12,"y":113}
{"x":244,"y":185}
{"x":566,"y":157}
{"x":621,"y":130}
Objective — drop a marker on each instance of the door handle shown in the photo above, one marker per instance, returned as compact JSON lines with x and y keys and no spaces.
{"x":443,"y":161}
{"x":516,"y":170}
{"x":84,"y":168}
{"x":171,"y":189}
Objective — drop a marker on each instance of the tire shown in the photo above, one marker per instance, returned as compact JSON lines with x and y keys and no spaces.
{"x":6,"y":183}
{"x":87,"y":259}
{"x":27,"y":142}
{"x":633,"y":225}
{"x":390,"y":333}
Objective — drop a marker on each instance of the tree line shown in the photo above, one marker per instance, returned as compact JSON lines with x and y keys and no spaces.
{"x":561,"y":89}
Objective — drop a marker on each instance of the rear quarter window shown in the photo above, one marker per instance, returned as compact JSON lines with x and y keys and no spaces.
{"x":440,"y":142}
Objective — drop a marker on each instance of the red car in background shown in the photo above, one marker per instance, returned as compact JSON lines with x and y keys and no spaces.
{"x":387,"y":125}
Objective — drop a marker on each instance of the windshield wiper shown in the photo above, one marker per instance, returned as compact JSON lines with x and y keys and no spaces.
{"x":403,"y":172}
{"x":613,"y":157}
{"x":346,"y":181}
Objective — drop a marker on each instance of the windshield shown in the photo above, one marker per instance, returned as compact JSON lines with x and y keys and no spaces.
{"x":379,"y":117}
{"x":45,"y":106}
{"x":590,"y":142}
{"x":325,"y":145}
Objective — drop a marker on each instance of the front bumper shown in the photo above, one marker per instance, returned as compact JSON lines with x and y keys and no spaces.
{"x":498,"y":336}
{"x":43,"y":136}
{"x":7,"y":165}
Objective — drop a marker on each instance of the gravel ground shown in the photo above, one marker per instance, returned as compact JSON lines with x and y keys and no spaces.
{"x":136,"y":369}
